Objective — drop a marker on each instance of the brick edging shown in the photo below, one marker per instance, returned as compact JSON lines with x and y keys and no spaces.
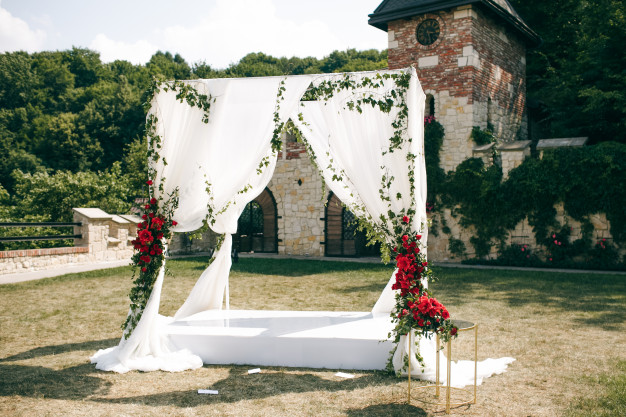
{"x":43,"y":252}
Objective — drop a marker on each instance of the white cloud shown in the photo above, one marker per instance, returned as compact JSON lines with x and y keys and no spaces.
{"x":110,"y":50}
{"x":16,"y":35}
{"x":234,"y":28}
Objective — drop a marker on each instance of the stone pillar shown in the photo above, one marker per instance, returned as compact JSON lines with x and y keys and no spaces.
{"x":512,"y":154}
{"x":484,"y":152}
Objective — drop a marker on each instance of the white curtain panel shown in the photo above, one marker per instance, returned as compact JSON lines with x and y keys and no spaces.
{"x":355,"y":144}
{"x":224,"y":154}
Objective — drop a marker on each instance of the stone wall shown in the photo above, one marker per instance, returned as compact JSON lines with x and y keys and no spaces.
{"x":439,"y":246}
{"x":105,"y":238}
{"x":297,"y":188}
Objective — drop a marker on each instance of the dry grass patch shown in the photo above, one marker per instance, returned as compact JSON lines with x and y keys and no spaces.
{"x":565,"y":330}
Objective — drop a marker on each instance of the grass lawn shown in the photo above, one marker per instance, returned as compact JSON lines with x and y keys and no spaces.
{"x":566,"y":331}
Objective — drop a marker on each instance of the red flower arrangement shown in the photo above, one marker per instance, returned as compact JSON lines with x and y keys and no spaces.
{"x":152,"y":234}
{"x":415,"y":309}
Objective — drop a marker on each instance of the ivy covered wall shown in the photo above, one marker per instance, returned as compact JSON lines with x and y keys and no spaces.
{"x":565,"y":209}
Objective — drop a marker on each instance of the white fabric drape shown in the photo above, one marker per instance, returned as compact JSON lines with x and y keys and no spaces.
{"x":223,"y":156}
{"x":355,"y":144}
{"x":147,"y":349}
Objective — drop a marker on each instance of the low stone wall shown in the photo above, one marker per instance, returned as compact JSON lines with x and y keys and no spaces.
{"x":439,"y":247}
{"x":106,"y":238}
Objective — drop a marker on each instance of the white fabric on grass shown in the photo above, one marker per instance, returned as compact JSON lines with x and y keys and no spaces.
{"x":462,"y":371}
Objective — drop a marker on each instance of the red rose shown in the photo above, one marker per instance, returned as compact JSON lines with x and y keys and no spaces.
{"x":153,"y":200}
{"x":174,"y":222}
{"x":145,"y":237}
{"x":418,"y":236}
{"x":157,"y":223}
{"x":405,"y":238}
{"x":406,"y":219}
{"x":144,"y":217}
{"x":145,"y":258}
{"x":151,"y":214}
{"x":144,"y":269}
{"x":453,"y":331}
{"x":420,"y":323}
{"x":160,"y":236}
{"x":149,"y":182}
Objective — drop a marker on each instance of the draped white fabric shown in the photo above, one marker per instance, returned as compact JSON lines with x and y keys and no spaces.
{"x":223,"y":155}
{"x":147,"y":349}
{"x":462,"y":371}
{"x":355,"y":145}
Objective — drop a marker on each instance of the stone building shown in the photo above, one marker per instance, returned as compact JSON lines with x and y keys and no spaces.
{"x":470,"y":56}
{"x":470,"y":59}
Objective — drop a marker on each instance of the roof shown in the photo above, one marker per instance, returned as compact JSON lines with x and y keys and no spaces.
{"x":390,"y":10}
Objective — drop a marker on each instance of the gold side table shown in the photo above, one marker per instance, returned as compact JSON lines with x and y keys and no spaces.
{"x":462,"y":326}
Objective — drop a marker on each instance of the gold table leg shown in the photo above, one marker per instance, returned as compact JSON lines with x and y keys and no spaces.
{"x":475,"y":359}
{"x":409,"y":400}
{"x":448,"y":376}
{"x":437,"y":367}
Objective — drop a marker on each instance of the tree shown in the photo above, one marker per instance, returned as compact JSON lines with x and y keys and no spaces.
{"x":168,"y":66}
{"x":52,"y":197}
{"x":578,"y":71}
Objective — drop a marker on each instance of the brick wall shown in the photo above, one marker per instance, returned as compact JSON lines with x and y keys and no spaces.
{"x":475,"y":72}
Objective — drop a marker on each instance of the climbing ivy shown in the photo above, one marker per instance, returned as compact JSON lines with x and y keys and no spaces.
{"x":587,"y":181}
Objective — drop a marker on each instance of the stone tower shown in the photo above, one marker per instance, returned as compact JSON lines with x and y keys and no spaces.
{"x":470,"y":57}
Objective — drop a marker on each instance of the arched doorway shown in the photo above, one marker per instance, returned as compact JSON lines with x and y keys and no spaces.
{"x":341,"y":235}
{"x":257,"y":225}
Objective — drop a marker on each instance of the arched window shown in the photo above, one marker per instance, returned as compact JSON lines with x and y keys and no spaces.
{"x":256,"y":229}
{"x":341,"y":235}
{"x":429,"y":109}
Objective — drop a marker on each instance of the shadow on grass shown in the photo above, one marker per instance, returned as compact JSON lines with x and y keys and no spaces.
{"x":240,"y":385}
{"x":72,"y":383}
{"x":391,"y":410}
{"x":602,"y":298}
{"x":58,"y":349}
{"x":283,"y":267}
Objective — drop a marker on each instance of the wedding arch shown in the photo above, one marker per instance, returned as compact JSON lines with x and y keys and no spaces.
{"x":213,"y":148}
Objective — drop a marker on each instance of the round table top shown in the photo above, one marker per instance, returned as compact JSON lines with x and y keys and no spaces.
{"x":462,"y":324}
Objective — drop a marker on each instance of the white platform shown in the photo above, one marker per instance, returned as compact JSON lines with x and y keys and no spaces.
{"x":312,"y":339}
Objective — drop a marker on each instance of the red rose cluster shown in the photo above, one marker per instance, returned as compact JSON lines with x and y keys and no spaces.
{"x":415,"y":308}
{"x":409,"y":263}
{"x":150,"y":235}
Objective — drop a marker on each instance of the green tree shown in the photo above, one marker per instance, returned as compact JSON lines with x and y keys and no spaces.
{"x":52,"y":197}
{"x":578,"y":71}
{"x":168,"y":66}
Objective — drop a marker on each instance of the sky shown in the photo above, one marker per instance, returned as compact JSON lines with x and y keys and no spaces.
{"x":217,"y":32}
